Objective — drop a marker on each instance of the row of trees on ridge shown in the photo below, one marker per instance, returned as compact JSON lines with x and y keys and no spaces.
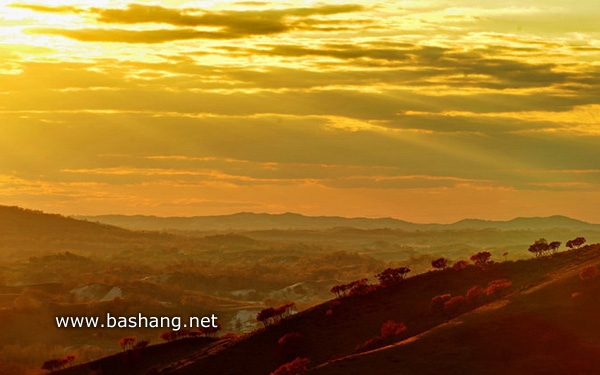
{"x":272,"y":315}
{"x":542,"y":246}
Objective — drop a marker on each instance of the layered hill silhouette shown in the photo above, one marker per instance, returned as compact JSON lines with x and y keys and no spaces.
{"x":537,"y":316}
{"x":23,"y":231}
{"x":263,"y":221}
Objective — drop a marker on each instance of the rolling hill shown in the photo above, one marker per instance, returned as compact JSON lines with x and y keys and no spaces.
{"x":543,"y":321}
{"x":24,"y":232}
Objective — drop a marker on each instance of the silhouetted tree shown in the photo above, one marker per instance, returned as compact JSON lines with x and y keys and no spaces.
{"x":460,"y":265}
{"x":481,"y":259}
{"x":391,"y":276}
{"x":539,"y":247}
{"x":554,"y":245}
{"x":360,"y":287}
{"x":353,"y":288}
{"x":339,"y":290}
{"x":265,"y":316}
{"x":440,"y":263}
{"x":272,"y":315}
{"x":575,"y":243}
{"x":284,"y":310}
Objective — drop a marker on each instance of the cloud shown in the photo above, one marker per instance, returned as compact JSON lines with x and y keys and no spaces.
{"x":48,"y":8}
{"x":242,"y":20}
{"x":405,"y":182}
{"x":272,"y":149}
{"x":232,"y":23}
{"x":366,"y":63}
{"x":132,"y":36}
{"x":343,"y":51}
{"x":189,"y":23}
{"x":579,"y":120}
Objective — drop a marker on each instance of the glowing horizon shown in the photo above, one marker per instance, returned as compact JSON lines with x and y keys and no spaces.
{"x":418,"y":110}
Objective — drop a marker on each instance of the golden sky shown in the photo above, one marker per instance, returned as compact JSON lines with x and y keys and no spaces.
{"x":425,"y":110}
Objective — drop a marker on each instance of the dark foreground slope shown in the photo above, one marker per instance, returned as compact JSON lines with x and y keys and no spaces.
{"x":550,"y":327}
{"x":535,"y":327}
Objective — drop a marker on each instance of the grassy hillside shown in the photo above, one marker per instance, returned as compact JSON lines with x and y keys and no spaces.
{"x":534,"y":326}
{"x":549,"y":327}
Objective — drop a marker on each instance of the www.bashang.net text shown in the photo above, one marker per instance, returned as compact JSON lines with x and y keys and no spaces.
{"x":136,"y":321}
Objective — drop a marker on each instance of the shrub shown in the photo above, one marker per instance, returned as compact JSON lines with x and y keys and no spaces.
{"x":497,"y":287}
{"x":440,"y":263}
{"x":127,"y":343}
{"x":460,"y":265}
{"x":392,"y":329}
{"x":57,"y":364}
{"x":437,"y":303}
{"x":295,"y":367}
{"x":455,"y":306}
{"x":389,"y":333}
{"x":475,"y":295}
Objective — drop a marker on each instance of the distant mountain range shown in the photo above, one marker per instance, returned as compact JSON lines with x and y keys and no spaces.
{"x":247,"y":221}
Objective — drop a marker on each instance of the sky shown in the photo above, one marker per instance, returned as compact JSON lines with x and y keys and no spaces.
{"x":426,"y":110}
